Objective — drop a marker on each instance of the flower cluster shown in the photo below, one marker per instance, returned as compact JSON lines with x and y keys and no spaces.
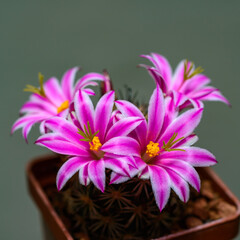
{"x":117,"y":135}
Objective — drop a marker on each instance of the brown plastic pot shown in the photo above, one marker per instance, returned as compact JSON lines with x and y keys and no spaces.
{"x":42,"y":172}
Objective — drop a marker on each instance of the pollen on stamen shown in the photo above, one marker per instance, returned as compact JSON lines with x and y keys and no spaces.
{"x":96,"y":144}
{"x":63,"y":106}
{"x":153,"y":149}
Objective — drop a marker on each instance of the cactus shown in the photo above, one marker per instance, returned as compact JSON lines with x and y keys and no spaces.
{"x":124,"y":211}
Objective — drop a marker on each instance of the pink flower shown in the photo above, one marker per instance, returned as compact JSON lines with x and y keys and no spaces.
{"x":53,"y":99}
{"x":84,"y":140}
{"x":187,"y":85}
{"x":162,"y":148}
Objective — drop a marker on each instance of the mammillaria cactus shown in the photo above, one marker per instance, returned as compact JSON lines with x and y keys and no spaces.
{"x":124,"y":167}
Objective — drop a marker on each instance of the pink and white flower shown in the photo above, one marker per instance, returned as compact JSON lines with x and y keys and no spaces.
{"x":187,"y":85}
{"x":84,"y":140}
{"x":162,"y":148}
{"x":53,"y":99}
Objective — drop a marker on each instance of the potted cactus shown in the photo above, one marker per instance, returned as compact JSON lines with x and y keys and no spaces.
{"x":126,"y":170}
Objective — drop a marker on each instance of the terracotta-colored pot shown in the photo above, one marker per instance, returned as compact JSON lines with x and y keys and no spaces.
{"x":42,"y":172}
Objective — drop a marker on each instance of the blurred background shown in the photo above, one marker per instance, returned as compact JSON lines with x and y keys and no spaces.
{"x":52,"y":36}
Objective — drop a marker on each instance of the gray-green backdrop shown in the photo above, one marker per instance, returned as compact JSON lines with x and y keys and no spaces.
{"x":52,"y":36}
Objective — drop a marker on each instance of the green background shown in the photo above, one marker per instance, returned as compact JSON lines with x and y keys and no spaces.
{"x":52,"y":36}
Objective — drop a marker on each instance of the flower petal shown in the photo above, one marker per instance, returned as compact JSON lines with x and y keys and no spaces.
{"x":126,"y":159}
{"x":179,"y":98}
{"x":123,"y":127}
{"x":96,"y":171}
{"x":116,"y":165}
{"x":178,"y":76}
{"x":202,"y":92}
{"x":63,"y":114}
{"x":115,"y":117}
{"x":157,"y":77}
{"x":23,"y":121}
{"x":156,"y":112}
{"x":144,"y":174}
{"x":117,"y":178}
{"x":68,"y":81}
{"x":183,"y":169}
{"x":215,"y":96}
{"x":84,"y":109}
{"x":171,"y":112}
{"x":179,"y":185}
{"x":122,"y":146}
{"x":64,"y":128}
{"x":54,"y":92}
{"x":194,"y":84}
{"x":32,"y":107}
{"x":197,"y":157}
{"x":103,"y":113}
{"x":130,"y":110}
{"x":182,"y":125}
{"x":72,"y":118}
{"x":26,"y":129}
{"x":36,"y":98}
{"x":51,"y":137}
{"x":186,"y":142}
{"x":89,"y":91}
{"x":83,"y":81}
{"x":68,"y":169}
{"x":83,"y":175}
{"x":140,"y":164}
{"x":42,"y":128}
{"x":90,"y":84}
{"x":162,"y":64}
{"x":196,"y":103}
{"x":160,"y":184}
{"x":62,"y":147}
{"x":138,"y":167}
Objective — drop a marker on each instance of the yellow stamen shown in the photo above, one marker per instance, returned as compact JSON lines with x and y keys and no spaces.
{"x":63,"y":106}
{"x":190,"y":72}
{"x":153,"y":149}
{"x":40,"y":91}
{"x":95,"y":145}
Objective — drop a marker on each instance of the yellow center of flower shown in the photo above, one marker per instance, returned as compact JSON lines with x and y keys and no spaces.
{"x":153,"y":149}
{"x":95,"y":144}
{"x":63,"y":106}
